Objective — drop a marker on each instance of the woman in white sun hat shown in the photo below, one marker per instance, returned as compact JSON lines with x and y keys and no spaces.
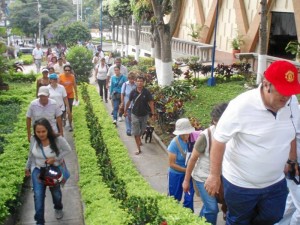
{"x":177,"y":150}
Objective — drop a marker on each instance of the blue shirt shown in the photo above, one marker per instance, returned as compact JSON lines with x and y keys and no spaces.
{"x":126,"y":89}
{"x":116,"y":83}
{"x":173,"y":148}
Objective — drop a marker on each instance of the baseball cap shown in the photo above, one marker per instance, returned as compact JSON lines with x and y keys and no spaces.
{"x":53,"y":76}
{"x":284,"y":76}
{"x":45,"y":70}
{"x":43,"y":90}
{"x":183,"y":126}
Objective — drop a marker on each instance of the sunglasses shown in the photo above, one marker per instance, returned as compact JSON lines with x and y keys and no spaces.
{"x":68,"y":70}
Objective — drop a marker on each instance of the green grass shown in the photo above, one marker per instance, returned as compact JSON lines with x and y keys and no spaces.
{"x":206,"y":97}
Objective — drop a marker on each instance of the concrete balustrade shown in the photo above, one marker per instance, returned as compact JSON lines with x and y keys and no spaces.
{"x":180,"y":47}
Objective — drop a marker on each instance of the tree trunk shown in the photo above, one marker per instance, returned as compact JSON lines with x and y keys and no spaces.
{"x":152,"y":41}
{"x":127,"y":37}
{"x":165,"y":77}
{"x":122,"y":38}
{"x":262,"y":56}
{"x":117,"y":36}
{"x":113,"y":36}
{"x":137,"y":28}
{"x":163,"y":61}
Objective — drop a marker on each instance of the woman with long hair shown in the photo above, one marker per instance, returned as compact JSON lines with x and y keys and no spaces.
{"x":45,"y":148}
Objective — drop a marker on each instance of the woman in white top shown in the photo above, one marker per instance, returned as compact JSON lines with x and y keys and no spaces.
{"x":58,"y":93}
{"x":101,"y":75}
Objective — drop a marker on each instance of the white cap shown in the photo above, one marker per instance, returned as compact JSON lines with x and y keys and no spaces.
{"x":183,"y":126}
{"x":43,"y":90}
{"x":45,"y":70}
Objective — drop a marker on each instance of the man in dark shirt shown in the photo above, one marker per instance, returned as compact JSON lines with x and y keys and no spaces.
{"x":142,"y":106}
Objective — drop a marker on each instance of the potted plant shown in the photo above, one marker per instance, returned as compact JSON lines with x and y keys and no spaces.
{"x":294,"y":48}
{"x":236,"y":44}
{"x":195,"y":31}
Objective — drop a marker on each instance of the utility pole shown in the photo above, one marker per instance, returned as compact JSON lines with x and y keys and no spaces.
{"x":101,"y":28}
{"x":81,"y":10}
{"x":40,"y":25}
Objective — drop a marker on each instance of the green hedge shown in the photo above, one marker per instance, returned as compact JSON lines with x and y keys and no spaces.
{"x":99,"y":206}
{"x":136,"y":186}
{"x":27,"y":59}
{"x":13,"y":159}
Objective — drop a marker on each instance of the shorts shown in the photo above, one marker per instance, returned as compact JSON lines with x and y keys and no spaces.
{"x":138,"y":124}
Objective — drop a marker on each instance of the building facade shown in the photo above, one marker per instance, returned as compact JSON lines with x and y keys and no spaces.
{"x":242,"y":18}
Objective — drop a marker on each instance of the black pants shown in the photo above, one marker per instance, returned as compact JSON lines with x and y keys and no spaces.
{"x":102,"y":86}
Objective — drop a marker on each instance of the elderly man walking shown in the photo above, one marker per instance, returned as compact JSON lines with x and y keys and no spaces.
{"x":259,"y":129}
{"x":43,"y":107}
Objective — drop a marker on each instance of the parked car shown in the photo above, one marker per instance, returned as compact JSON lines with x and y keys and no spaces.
{"x":26,"y":50}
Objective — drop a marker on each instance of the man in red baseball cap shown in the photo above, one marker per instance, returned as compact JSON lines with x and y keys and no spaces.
{"x":284,"y":76}
{"x":258,"y":129}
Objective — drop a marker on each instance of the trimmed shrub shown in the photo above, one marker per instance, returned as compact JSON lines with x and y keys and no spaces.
{"x":80,"y":59}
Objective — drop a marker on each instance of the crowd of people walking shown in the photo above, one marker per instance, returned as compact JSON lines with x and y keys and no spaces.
{"x":250,"y":148}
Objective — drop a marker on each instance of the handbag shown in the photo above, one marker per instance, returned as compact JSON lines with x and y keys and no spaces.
{"x":54,"y":175}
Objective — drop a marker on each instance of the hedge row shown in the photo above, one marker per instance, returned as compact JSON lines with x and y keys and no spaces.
{"x":13,"y":158}
{"x":99,"y":206}
{"x":136,"y":186}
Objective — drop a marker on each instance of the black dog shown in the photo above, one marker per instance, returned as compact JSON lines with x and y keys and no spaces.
{"x":148,"y":132}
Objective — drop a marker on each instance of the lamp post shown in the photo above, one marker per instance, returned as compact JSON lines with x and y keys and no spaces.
{"x":100,"y":27}
{"x":212,"y":80}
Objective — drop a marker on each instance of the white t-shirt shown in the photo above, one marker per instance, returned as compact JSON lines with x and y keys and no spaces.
{"x":37,"y":53}
{"x":58,"y":94}
{"x":59,"y":69}
{"x":258,"y":143}
{"x":102,"y":72}
{"x":111,"y":71}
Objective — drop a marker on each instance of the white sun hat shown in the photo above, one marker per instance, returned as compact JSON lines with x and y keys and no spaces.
{"x":183,"y":126}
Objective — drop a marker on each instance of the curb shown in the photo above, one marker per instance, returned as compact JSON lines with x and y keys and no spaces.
{"x":161,"y":144}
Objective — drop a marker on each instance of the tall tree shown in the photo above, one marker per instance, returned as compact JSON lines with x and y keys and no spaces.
{"x":142,"y":11}
{"x":25,"y":15}
{"x":163,"y":33}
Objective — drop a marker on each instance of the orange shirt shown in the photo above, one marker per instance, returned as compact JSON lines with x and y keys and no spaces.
{"x":68,"y":81}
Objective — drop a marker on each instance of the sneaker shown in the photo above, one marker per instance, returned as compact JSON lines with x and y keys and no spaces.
{"x":59,"y":213}
{"x":70,"y":129}
{"x":120,"y":119}
{"x":114,"y":122}
{"x":128,"y":134}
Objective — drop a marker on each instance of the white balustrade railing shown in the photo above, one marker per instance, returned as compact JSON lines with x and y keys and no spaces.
{"x":180,"y":47}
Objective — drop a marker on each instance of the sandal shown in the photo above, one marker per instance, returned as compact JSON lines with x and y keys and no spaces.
{"x":138,"y":152}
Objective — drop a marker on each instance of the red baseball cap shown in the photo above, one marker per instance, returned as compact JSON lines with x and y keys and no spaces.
{"x":284,"y":76}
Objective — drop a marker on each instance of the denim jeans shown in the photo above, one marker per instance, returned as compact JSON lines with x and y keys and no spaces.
{"x":116,"y":103}
{"x":210,"y":207}
{"x":39,"y":190}
{"x":128,"y":121}
{"x":261,"y":206}
{"x":176,"y":190}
